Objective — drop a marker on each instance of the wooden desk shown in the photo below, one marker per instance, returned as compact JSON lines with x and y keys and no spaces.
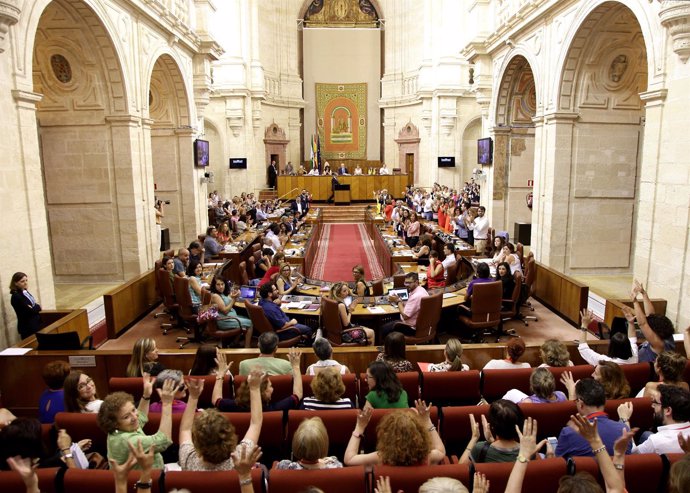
{"x":362,"y":187}
{"x":342,"y":197}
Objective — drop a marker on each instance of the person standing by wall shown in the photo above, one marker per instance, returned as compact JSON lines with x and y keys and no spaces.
{"x":25,"y":306}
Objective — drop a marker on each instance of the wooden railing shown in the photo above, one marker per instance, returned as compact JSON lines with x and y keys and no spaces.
{"x":58,"y":322}
{"x":127,"y":303}
{"x":561,"y":293}
{"x":613,"y":308}
{"x":383,"y":253}
{"x":312,"y":244}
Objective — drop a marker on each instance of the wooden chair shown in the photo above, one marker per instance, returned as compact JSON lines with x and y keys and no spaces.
{"x":186,"y":311}
{"x":520,"y":252}
{"x":244,"y":276}
{"x":169,"y":302}
{"x":486,"y":308}
{"x":377,"y":287}
{"x":530,"y":285}
{"x":399,"y":280}
{"x":251,"y":272}
{"x":510,"y":308}
{"x":63,"y":341}
{"x":332,"y":324}
{"x":452,"y":274}
{"x":427,"y":320}
{"x":261,"y":325}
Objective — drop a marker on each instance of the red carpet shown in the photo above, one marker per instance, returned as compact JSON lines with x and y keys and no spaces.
{"x":341,"y":247}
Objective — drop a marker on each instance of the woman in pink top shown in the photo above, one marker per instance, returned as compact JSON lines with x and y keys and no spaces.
{"x":413,"y":230}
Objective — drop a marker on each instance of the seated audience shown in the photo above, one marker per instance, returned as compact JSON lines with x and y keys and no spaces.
{"x":554,"y":353}
{"x":274,"y":269}
{"x":23,"y":438}
{"x":310,"y":448}
{"x":241,"y":402}
{"x":123,"y":422}
{"x":409,"y":311}
{"x":284,"y":282}
{"x":194,"y":271}
{"x":590,"y":401}
{"x":422,"y":255}
{"x":361,"y":288}
{"x":679,"y":481}
{"x":181,"y":262}
{"x":671,"y":406}
{"x":211,"y":245}
{"x":52,"y":400}
{"x":622,"y":348}
{"x":483,"y":275}
{"x":207,"y":439}
{"x":612,"y":378}
{"x":205,"y":361}
{"x":144,"y":359}
{"x":669,"y":367}
{"x":351,"y":334}
{"x":657,"y":329}
{"x":511,"y":258}
{"x":514,"y":349}
{"x":328,"y":388}
{"x":324,"y":351}
{"x":500,"y":432}
{"x":385,"y":389}
{"x":394,"y":353}
{"x":80,"y":393}
{"x":267,"y":361}
{"x":279,"y":320}
{"x":435,"y":274}
{"x":178,"y":404}
{"x":196,"y":252}
{"x":542,"y":384}
{"x":224,"y":233}
{"x":224,"y":299}
{"x":403,"y":438}
{"x":452,"y":354}
{"x":264,"y":262}
{"x":497,"y":255}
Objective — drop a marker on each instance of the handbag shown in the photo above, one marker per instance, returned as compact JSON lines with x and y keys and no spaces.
{"x":210,"y":312}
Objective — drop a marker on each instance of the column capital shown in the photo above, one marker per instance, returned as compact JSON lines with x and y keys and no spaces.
{"x":27,"y":99}
{"x":9,"y":16}
{"x":654,"y":98}
{"x":561,"y":117}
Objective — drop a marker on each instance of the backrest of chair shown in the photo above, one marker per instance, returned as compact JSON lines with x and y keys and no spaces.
{"x":82,"y":426}
{"x":157,"y":265}
{"x":514,"y":298}
{"x":429,"y":315}
{"x":256,"y":247}
{"x":531,"y":273}
{"x":343,"y":480}
{"x":166,"y":287}
{"x":169,"y":253}
{"x":637,"y":375}
{"x":643,"y":417}
{"x":338,"y":422}
{"x":11,"y":482}
{"x":452,"y":273}
{"x":520,"y":252}
{"x":258,"y":318}
{"x":451,"y":388}
{"x":349,"y":380}
{"x":90,"y":480}
{"x":456,"y":430}
{"x":244,"y":276}
{"x":62,"y":341}
{"x":541,"y":475}
{"x":183,"y":297}
{"x":226,"y":481}
{"x":251,"y":272}
{"x":410,"y":382}
{"x":551,"y":418}
{"x":331,"y":322}
{"x":408,"y":478}
{"x":486,"y":301}
{"x":495,"y":383}
{"x":377,"y":287}
{"x":644,"y":473}
{"x":132,"y":385}
{"x":399,"y":280}
{"x":579,"y":372}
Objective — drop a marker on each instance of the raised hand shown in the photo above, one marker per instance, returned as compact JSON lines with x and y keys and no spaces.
{"x":628,"y":313}
{"x":383,"y":485}
{"x":144,"y":459}
{"x":625,"y":411}
{"x":620,"y":446}
{"x":195,"y":386}
{"x":684,"y":442}
{"x":569,"y":383}
{"x":294,"y":356}
{"x":475,"y":428}
{"x":487,"y":430}
{"x":64,"y":441}
{"x":363,"y":419}
{"x":245,"y":459}
{"x":222,"y":363}
{"x":25,"y":468}
{"x":423,"y":410}
{"x":481,"y":484}
{"x":167,"y":393}
{"x":584,"y":427}
{"x":254,"y":378}
{"x":528,"y":438}
{"x":586,"y":317}
{"x":147,"y":381}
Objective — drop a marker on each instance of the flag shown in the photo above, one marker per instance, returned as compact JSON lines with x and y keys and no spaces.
{"x":314,"y":163}
{"x":318,"y":152}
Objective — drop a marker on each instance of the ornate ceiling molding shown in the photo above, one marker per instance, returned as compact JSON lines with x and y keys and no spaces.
{"x":675,"y":16}
{"x":9,"y":16}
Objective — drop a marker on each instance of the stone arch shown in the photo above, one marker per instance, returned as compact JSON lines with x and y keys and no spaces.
{"x":517,"y":97}
{"x":578,"y":37}
{"x":166,"y":92}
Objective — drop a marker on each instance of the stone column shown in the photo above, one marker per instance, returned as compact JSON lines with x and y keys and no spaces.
{"x":193,"y":193}
{"x":497,"y":175}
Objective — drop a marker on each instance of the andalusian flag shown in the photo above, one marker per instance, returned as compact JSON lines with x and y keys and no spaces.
{"x":313,"y":151}
{"x":318,"y":152}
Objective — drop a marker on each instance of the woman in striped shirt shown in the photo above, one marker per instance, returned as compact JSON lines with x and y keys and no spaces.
{"x":328,"y":387}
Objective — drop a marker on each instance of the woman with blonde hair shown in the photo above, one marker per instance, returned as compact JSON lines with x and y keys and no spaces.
{"x":328,"y":387}
{"x":543,"y":387}
{"x":283,"y":281}
{"x":144,"y":359}
{"x":340,"y":292}
{"x":554,"y":353}
{"x":403,"y":438}
{"x":310,"y":448}
{"x":452,"y":353}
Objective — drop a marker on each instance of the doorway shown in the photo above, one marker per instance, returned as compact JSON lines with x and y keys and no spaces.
{"x":409,"y":167}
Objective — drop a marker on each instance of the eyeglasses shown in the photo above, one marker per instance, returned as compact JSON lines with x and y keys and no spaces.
{"x":656,"y":403}
{"x":83,"y":385}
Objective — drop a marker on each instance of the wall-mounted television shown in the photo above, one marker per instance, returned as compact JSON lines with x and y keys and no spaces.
{"x":201,"y":153}
{"x":446,"y":162}
{"x":485,"y":151}
{"x":238,"y":163}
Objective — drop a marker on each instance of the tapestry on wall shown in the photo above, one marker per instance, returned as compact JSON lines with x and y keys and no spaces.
{"x":341,"y":113}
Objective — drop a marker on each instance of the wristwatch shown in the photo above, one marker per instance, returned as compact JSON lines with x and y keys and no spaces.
{"x":523,"y":459}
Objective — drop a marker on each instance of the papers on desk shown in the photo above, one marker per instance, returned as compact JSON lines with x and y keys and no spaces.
{"x":403,"y":253}
{"x":376,"y":309}
{"x":448,"y":295}
{"x":15,"y":351}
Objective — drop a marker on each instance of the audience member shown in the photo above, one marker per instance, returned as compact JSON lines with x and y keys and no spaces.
{"x":361,"y":288}
{"x":123,"y":422}
{"x":211,"y":244}
{"x":483,"y":275}
{"x":542,"y":384}
{"x":196,"y":252}
{"x":657,"y":329}
{"x":497,"y":254}
{"x":80,"y":393}
{"x":144,"y":359}
{"x":283,"y":282}
{"x":449,"y":259}
{"x":622,"y":348}
{"x":452,"y":354}
{"x":403,"y":438}
{"x":25,"y":306}
{"x":385,"y":390}
{"x":178,"y":404}
{"x":409,"y":311}
{"x":501,"y":442}
{"x":394,"y":353}
{"x":205,"y":361}
{"x":224,"y":299}
{"x":504,"y":275}
{"x":612,"y":378}
{"x":590,"y":401}
{"x":480,"y":230}
{"x":554,"y":353}
{"x":435,"y":274}
{"x":514,"y":349}
{"x":194,"y":272}
{"x":669,"y":367}
{"x":274,"y":269}
{"x":351,"y":334}
{"x":181,"y":262}
{"x":52,"y":400}
{"x":310,"y":448}
{"x":328,"y":388}
{"x":324,"y":351}
{"x":279,"y":320}
{"x":267,"y":361}
{"x":511,"y":258}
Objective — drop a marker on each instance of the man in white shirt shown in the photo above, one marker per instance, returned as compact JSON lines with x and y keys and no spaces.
{"x":314,"y":172}
{"x":383,"y":170}
{"x":480,"y":226}
{"x":671,"y":406}
{"x":428,"y":207}
{"x":449,"y":252}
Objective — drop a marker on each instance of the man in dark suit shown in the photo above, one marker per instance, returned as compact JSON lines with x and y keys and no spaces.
{"x":342,"y":170}
{"x":334,"y":183}
{"x":272,"y":175}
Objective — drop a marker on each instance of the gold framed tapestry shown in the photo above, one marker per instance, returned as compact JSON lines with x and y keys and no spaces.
{"x":341,"y":120}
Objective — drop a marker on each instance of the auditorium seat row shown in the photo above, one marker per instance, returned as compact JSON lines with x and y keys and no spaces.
{"x":278,"y":428}
{"x":441,"y":388}
{"x":643,"y":474}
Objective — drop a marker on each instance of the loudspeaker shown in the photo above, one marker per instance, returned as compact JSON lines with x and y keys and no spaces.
{"x":522,"y":233}
{"x":165,"y":239}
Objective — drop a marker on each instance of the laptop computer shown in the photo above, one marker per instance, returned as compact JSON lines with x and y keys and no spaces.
{"x":248,"y":292}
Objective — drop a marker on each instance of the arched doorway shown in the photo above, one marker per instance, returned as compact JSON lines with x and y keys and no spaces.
{"x":172,"y":150}
{"x":514,"y":144}
{"x":597,"y":134}
{"x":84,"y":139}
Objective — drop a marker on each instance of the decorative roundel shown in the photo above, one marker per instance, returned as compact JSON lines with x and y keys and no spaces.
{"x":61,"y":68}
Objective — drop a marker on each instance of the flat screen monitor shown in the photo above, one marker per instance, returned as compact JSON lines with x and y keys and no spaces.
{"x":485,"y":151}
{"x":446,"y":162}
{"x":238,"y":163}
{"x":400,"y":293}
{"x":201,"y":153}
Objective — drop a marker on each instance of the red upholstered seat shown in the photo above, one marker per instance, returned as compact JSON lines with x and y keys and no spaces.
{"x":451,"y":388}
{"x":345,"y":480}
{"x":10,"y":482}
{"x":541,"y":475}
{"x":90,"y":481}
{"x":455,"y":427}
{"x":80,"y":426}
{"x":495,"y":383}
{"x":211,"y":481}
{"x":411,"y":478}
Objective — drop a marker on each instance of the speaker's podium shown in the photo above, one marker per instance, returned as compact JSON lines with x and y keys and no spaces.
{"x":342,"y":194}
